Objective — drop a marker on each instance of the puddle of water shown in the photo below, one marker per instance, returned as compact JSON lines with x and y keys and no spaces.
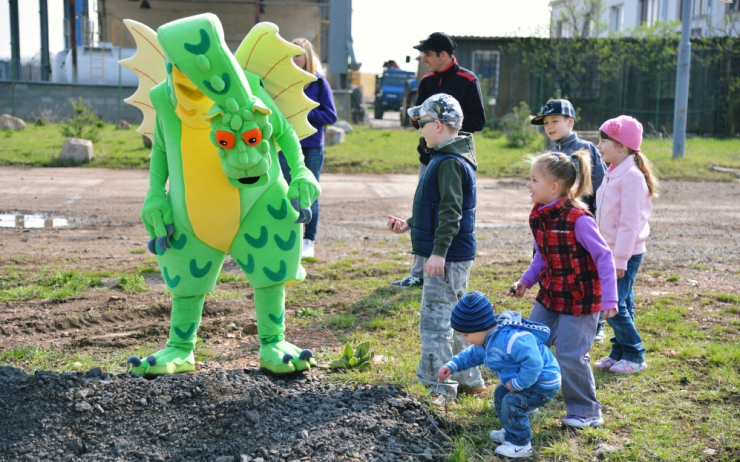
{"x":11,"y":220}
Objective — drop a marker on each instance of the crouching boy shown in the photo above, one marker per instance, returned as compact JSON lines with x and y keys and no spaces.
{"x":514,"y":348}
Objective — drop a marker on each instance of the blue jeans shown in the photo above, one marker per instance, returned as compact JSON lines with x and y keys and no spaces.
{"x":513,"y":410}
{"x":626,"y":343}
{"x":314,"y":159}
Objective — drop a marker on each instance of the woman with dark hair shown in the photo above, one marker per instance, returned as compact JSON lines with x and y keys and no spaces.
{"x":313,"y":146}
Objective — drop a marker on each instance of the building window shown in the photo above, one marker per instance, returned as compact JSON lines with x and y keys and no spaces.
{"x":616,"y":18}
{"x":486,"y":67}
{"x":648,"y":10}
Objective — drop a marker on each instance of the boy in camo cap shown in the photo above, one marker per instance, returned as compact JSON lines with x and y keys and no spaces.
{"x":443,"y":234}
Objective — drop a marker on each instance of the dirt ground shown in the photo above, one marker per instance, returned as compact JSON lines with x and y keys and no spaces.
{"x":696,"y":235}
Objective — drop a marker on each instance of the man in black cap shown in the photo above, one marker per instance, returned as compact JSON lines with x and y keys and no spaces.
{"x":446,"y":76}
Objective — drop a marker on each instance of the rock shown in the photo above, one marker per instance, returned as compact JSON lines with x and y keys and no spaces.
{"x":303,"y":435}
{"x":8,"y":122}
{"x":84,"y":393}
{"x":77,"y":446}
{"x":344,"y":125}
{"x":224,"y":459}
{"x":333,"y":135}
{"x":123,"y":125}
{"x":250,"y":329}
{"x":147,"y":141}
{"x":82,"y":406}
{"x":77,"y":150}
{"x":602,"y":449}
{"x":94,"y":373}
{"x":426,"y":455}
{"x":244,"y":458}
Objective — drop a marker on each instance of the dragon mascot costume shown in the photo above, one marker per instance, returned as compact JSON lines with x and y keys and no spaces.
{"x":216,"y":123}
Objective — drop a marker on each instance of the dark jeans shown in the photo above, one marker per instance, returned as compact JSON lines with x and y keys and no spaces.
{"x":314,"y":159}
{"x":626,"y":343}
{"x":513,"y":410}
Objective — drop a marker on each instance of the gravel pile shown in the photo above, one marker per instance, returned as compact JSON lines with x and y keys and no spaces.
{"x":218,"y":416}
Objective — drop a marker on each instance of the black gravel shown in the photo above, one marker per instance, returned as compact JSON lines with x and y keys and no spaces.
{"x":222,"y":416}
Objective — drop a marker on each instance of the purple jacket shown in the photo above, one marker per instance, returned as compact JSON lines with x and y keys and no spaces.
{"x":587,"y":234}
{"x":324,"y":114}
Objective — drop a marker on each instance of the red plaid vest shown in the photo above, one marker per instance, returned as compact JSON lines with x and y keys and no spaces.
{"x":570,"y":282}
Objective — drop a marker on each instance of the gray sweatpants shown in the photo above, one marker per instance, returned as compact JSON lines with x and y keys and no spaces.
{"x":573,"y":337}
{"x":417,"y":270}
{"x":438,"y":341}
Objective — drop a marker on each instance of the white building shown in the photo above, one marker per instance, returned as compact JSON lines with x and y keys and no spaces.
{"x":619,"y":17}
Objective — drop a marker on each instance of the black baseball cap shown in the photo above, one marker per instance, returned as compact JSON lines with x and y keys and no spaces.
{"x":438,"y":41}
{"x":555,"y":107}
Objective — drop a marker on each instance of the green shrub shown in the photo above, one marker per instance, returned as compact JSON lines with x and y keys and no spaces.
{"x":354,"y":360}
{"x":519,"y":133}
{"x":85,"y":124}
{"x":132,"y":283}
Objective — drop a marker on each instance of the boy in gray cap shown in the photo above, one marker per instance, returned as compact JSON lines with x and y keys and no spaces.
{"x":443,"y":235}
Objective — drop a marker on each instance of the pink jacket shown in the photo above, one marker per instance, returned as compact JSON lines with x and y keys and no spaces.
{"x":623,"y":207}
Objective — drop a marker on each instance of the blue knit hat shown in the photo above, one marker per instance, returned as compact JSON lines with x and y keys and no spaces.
{"x":473,"y":313}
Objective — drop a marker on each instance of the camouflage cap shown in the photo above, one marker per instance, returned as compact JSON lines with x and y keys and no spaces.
{"x":442,"y":107}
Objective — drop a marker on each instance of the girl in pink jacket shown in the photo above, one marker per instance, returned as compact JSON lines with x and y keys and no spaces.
{"x":622,"y":210}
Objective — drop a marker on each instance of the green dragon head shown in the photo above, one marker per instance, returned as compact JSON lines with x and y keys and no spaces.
{"x":239,"y":121}
{"x":242,"y":134}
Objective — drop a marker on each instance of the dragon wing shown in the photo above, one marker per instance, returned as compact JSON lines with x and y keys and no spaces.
{"x":149,"y":65}
{"x":265,"y":53}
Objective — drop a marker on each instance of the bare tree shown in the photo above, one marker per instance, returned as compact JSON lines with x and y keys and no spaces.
{"x":582,"y":18}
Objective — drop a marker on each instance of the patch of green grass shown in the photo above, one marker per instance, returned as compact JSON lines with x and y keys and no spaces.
{"x":132,"y":283}
{"x":20,"y":286}
{"x":364,"y":151}
{"x":224,"y":277}
{"x":341,"y":321}
{"x":728,"y":298}
{"x":138,"y":250}
{"x":308,"y":313}
{"x":116,"y":148}
{"x":225,"y":294}
{"x":673,"y":278}
{"x":310,"y":260}
{"x":147,"y":269}
{"x":701,"y":267}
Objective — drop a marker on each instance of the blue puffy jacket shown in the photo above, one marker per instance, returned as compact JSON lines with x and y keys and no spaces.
{"x":515,"y":351}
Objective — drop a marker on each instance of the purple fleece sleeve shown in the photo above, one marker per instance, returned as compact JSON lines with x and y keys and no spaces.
{"x":588,"y":235}
{"x":535,"y":267}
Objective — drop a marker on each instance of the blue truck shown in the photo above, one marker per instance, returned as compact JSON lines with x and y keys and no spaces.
{"x":389,"y":90}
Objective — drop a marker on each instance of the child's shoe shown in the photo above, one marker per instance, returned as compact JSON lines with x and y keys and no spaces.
{"x":600,"y":333}
{"x":515,"y":452}
{"x":605,"y":364}
{"x":628,"y":367}
{"x":497,"y":436}
{"x":308,"y":245}
{"x":577,"y":421}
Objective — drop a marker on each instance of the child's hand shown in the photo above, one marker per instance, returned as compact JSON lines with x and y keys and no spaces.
{"x":517,"y":290}
{"x":620,"y":274}
{"x":396,"y":225}
{"x":435,"y":266}
{"x":508,"y":386}
{"x":444,"y":372}
{"x":608,"y":314}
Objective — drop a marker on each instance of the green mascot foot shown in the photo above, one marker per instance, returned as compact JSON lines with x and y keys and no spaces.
{"x":285,"y":358}
{"x":171,"y":360}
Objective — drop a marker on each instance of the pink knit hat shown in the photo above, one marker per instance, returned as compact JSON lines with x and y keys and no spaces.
{"x":625,"y":129}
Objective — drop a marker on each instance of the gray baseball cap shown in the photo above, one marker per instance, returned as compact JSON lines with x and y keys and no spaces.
{"x":442,"y":107}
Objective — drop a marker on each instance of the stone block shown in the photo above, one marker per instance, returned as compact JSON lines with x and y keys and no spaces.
{"x":123,"y":125}
{"x":77,"y":150}
{"x":8,"y":122}
{"x":344,"y":125}
{"x":333,"y":135}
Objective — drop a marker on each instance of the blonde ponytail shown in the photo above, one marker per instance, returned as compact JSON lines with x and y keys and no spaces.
{"x":646,"y":167}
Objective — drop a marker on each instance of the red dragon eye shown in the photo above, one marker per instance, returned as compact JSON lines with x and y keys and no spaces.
{"x":225,"y":139}
{"x":253,"y":137}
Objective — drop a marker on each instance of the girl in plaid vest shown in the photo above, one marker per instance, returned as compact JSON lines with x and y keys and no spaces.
{"x":624,"y":207}
{"x":575,"y":270}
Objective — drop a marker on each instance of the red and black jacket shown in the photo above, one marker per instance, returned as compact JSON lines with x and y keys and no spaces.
{"x":570,"y":282}
{"x":461,"y":84}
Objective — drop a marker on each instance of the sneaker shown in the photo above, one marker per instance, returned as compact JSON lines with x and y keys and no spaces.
{"x":497,"y":436}
{"x":577,"y":421}
{"x":605,"y":364}
{"x":409,"y":281}
{"x":600,"y":333}
{"x":443,"y":400}
{"x":477,"y":391}
{"x":307,"y":248}
{"x":628,"y":367}
{"x":515,"y":452}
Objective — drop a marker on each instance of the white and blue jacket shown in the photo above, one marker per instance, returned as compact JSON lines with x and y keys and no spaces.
{"x":516,"y":352}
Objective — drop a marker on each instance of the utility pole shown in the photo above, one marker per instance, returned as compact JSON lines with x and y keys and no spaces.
{"x":44,"y":18}
{"x":680,"y":114}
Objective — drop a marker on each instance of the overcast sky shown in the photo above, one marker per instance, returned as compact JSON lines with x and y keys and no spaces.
{"x":381,"y":29}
